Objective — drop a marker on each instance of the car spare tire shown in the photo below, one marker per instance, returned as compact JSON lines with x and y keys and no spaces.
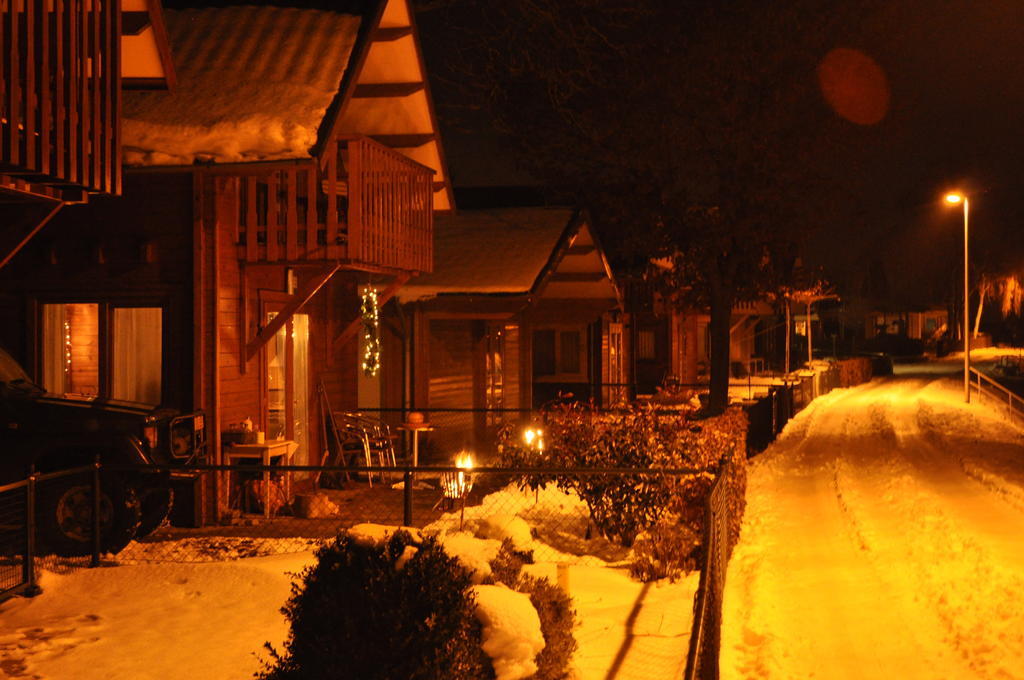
{"x":64,"y":516}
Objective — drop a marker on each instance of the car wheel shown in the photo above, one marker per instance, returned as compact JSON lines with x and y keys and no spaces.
{"x":155,"y":504}
{"x":64,"y":515}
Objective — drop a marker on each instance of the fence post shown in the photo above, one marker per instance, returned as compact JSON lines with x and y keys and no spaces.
{"x":407,"y":498}
{"x":28,"y":567}
{"x":96,"y":523}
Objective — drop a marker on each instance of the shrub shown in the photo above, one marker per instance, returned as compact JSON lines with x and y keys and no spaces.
{"x":557,"y":620}
{"x":380,"y":612}
{"x":554,"y":608}
{"x":575,"y":435}
{"x":666,"y":550}
{"x":667,"y":511}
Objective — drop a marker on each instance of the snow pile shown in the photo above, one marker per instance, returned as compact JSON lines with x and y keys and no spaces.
{"x":500,"y":527}
{"x":512,"y":635}
{"x":474,"y":553}
{"x":554,"y":525}
{"x":368,"y":533}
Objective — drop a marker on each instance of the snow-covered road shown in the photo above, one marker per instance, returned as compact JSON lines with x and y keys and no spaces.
{"x":883,"y":538}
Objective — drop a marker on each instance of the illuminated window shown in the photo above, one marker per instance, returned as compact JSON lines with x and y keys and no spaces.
{"x":74,"y":360}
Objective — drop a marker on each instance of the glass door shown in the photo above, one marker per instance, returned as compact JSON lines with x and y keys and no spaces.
{"x":287,"y":380}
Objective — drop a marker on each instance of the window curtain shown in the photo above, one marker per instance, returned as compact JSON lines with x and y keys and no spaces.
{"x":137,"y":354}
{"x":54,"y":349}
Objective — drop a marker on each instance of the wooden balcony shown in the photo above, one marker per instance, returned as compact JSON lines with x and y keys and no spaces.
{"x":361,"y":204}
{"x":60,"y":94}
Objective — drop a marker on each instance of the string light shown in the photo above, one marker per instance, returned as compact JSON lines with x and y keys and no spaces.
{"x":67,"y":347}
{"x":371,"y":332}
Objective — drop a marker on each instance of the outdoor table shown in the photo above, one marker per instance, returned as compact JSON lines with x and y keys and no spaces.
{"x":264,"y":452}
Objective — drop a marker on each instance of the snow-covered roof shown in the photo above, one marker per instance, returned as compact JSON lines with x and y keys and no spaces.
{"x":490,"y":251}
{"x":253,"y":84}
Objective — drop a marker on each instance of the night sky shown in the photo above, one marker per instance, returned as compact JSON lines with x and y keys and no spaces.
{"x":954,"y":71}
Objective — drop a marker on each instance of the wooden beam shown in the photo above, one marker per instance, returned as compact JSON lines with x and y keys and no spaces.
{"x":17,"y":241}
{"x":405,"y":141}
{"x":134,"y":23}
{"x":298,"y":301}
{"x":577,"y":277}
{"x":353,"y":327}
{"x":739,"y":323}
{"x":391,"y":34}
{"x":373,"y":90}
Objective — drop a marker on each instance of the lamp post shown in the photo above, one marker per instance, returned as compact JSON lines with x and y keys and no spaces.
{"x":954,"y":198}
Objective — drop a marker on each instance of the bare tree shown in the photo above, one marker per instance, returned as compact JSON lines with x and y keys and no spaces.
{"x":693,"y":130}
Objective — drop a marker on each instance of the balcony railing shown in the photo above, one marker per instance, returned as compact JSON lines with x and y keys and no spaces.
{"x":60,"y":90}
{"x":362,"y":202}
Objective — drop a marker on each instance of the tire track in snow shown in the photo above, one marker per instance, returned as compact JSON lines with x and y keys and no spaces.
{"x":782,"y":616}
{"x":854,"y":563}
{"x":926,"y":527}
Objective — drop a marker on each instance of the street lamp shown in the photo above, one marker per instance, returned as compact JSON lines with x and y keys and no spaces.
{"x":954,"y":198}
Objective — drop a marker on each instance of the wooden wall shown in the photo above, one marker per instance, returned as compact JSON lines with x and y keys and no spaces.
{"x":241,"y":385}
{"x":133,"y":249}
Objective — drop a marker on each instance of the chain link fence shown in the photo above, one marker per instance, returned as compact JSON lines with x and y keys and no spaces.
{"x":14,"y":535}
{"x":705,"y":640}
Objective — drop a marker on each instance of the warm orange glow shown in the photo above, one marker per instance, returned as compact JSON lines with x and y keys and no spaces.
{"x":854,"y":85}
{"x":954,"y":198}
{"x":458,"y":484}
{"x":464,"y":460}
{"x":534,"y":438}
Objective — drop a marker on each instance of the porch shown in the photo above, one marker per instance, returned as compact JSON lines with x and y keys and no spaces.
{"x":361,"y":204}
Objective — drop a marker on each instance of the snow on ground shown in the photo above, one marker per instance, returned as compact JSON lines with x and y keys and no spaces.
{"x":882,"y":540}
{"x":210,"y":620}
{"x":149,"y":622}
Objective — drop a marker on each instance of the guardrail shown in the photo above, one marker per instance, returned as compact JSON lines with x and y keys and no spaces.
{"x":986,"y":386}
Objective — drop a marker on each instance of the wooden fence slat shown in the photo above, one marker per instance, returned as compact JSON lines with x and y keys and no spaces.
{"x":12,"y":147}
{"x":311,"y":216}
{"x":251,"y":228}
{"x":331,"y":226}
{"x":59,"y":76}
{"x":44,"y":90}
{"x":115,"y":111}
{"x":291,"y":234}
{"x":95,"y":62}
{"x":273,"y":214}
{"x":29,"y":98}
{"x":356,"y":198}
{"x":73,"y":106}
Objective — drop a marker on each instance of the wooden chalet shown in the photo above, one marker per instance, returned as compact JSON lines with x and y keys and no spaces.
{"x":673,"y":344}
{"x":294,"y":165}
{"x":65,"y":64}
{"x":521,"y":306}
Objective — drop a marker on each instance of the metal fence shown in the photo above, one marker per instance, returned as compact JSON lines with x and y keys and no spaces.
{"x":15,"y":566}
{"x":22,"y":524}
{"x":279,"y":509}
{"x":705,"y":640}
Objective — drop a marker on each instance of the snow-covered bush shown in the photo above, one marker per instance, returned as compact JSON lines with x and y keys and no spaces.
{"x":367,"y":610}
{"x":553,"y":605}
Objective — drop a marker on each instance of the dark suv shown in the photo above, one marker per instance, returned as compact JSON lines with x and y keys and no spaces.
{"x":49,"y":432}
